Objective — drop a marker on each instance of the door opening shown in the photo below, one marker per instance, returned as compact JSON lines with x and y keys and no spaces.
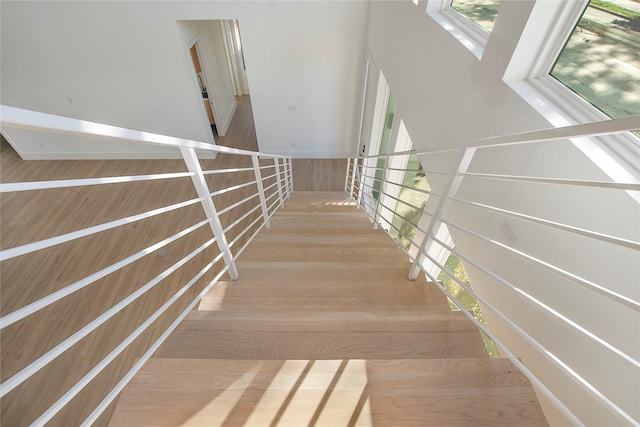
{"x":202,"y":82}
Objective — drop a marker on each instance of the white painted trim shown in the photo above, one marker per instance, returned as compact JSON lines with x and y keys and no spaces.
{"x":468,"y":33}
{"x":194,"y":81}
{"x":224,"y":127}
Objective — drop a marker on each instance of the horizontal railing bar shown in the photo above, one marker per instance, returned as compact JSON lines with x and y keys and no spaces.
{"x":371,"y":177}
{"x":215,"y":171}
{"x":239,"y":220}
{"x":63,"y":238}
{"x":406,"y":170}
{"x":264,"y":178}
{"x":542,"y":305}
{"x":535,"y":343}
{"x":583,"y":130}
{"x":419,"y":190}
{"x":247,"y":228}
{"x":553,"y":269}
{"x":552,"y":224}
{"x":276,"y":202}
{"x":542,"y":180}
{"x":26,"y":119}
{"x":37,"y":305}
{"x":267,"y":166}
{"x":505,"y":350}
{"x":232,"y":188}
{"x":68,"y":183}
{"x":235,"y":205}
{"x":52,"y":354}
{"x":403,"y":202}
{"x":115,"y":392}
{"x":409,"y":239}
{"x":100,"y":366}
{"x":401,"y":217}
{"x":249,"y":240}
{"x":271,"y":186}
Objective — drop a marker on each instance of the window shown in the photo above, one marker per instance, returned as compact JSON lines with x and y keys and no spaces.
{"x":482,"y":12}
{"x":577,"y":62}
{"x":600,"y":61}
{"x":469,"y":21}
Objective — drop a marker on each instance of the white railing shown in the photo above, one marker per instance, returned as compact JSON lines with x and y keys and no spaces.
{"x":267,"y":197}
{"x":376,"y":187}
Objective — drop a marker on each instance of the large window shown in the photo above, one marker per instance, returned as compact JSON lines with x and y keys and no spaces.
{"x":601,"y":60}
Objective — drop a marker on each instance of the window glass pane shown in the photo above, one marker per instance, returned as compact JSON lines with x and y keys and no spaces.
{"x":417,"y":199}
{"x":482,"y":12}
{"x":384,"y":145}
{"x":601,"y":60}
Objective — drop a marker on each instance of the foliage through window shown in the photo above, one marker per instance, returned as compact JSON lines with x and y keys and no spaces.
{"x":482,"y":12}
{"x":601,"y":59}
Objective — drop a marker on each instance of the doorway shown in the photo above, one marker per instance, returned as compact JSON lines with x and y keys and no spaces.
{"x":203,"y":85}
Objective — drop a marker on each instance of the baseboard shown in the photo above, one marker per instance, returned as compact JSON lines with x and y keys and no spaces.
{"x":222,"y":130}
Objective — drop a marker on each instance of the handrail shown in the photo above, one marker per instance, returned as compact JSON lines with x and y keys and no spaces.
{"x":583,"y":130}
{"x":26,"y":119}
{"x":362,"y":184}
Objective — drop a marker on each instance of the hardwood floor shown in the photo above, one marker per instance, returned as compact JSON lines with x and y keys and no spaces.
{"x":31,"y":216}
{"x":319,"y":174}
{"x":323,"y":328}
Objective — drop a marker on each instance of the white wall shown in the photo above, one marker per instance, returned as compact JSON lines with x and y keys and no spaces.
{"x":445,"y":94}
{"x":123,"y":63}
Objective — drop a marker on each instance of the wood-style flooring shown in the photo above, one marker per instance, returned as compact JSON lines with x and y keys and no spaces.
{"x":30,"y":216}
{"x":323,"y":328}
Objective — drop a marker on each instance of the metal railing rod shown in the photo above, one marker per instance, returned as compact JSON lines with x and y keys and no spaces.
{"x":403,"y":202}
{"x":402,"y":218}
{"x":409,"y":239}
{"x":371,"y":177}
{"x":239,"y":220}
{"x":419,"y":190}
{"x":535,"y":343}
{"x":232,"y":188}
{"x":552,"y":224}
{"x":407,"y":170}
{"x":553,"y":269}
{"x":541,"y":180}
{"x":215,"y":171}
{"x":10,"y":187}
{"x":115,"y":392}
{"x":235,"y":205}
{"x":504,"y":350}
{"x":271,"y":186}
{"x":43,"y":302}
{"x":269,"y":177}
{"x":35,"y":366}
{"x":247,"y":228}
{"x":100,"y":366}
{"x":73,"y":235}
{"x":250,"y":239}
{"x":542,"y":305}
{"x":583,"y":130}
{"x":267,"y":167}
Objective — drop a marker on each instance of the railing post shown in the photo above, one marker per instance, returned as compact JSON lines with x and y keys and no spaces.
{"x":346,"y":175}
{"x":200,"y":184}
{"x":290,"y":175}
{"x":376,"y":218}
{"x":451,"y":188}
{"x":277,"y":165}
{"x":263,"y":201}
{"x":354,"y":169}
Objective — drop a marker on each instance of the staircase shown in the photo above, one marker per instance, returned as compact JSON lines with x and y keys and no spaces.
{"x":324,"y":329}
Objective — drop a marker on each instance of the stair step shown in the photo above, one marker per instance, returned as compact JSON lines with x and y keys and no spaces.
{"x":301,"y":252}
{"x":331,"y":321}
{"x":315,"y":288}
{"x":201,"y":343}
{"x":374,"y":392}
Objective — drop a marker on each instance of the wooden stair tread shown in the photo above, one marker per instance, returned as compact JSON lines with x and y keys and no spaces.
{"x":198,"y":343}
{"x":329,"y":392}
{"x":324,"y":328}
{"x":336,"y":321}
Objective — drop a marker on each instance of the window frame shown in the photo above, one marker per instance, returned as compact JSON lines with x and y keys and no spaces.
{"x":529,"y":74}
{"x":468,"y":32}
